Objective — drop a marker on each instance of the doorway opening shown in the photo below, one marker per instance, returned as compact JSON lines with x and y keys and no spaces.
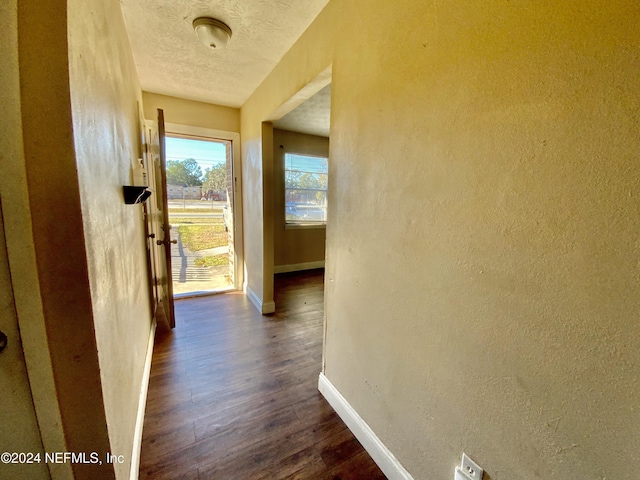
{"x":200,"y":199}
{"x":300,"y":186}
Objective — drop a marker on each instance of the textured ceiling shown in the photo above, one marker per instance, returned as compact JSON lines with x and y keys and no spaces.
{"x":171,"y":60}
{"x":312,"y":116}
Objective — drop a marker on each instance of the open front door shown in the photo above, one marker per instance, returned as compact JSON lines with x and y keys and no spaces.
{"x":160,"y":227}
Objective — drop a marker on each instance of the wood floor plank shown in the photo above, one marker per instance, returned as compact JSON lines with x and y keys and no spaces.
{"x":156,"y":446}
{"x":233,"y":394}
{"x":358,"y":467}
{"x":338,"y":448}
{"x":303,"y":465}
{"x":270,"y":455}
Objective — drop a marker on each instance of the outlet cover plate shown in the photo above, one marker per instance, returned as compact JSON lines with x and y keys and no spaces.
{"x":459,"y":475}
{"x":471,"y":469}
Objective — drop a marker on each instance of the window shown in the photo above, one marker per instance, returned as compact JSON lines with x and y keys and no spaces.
{"x":305,"y":189}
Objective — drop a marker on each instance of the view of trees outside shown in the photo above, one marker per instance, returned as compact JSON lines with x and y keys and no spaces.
{"x":184,"y":172}
{"x":305,"y":188}
{"x":200,"y":215}
{"x":215,"y":178}
{"x":190,"y":160}
{"x":189,"y":173}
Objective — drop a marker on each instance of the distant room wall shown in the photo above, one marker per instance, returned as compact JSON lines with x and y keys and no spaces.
{"x":295,"y":247}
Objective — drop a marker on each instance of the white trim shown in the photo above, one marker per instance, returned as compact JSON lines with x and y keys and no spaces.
{"x":181,"y":129}
{"x":263,"y":307}
{"x":380,"y":454}
{"x":142,"y":402}
{"x":268,"y":307}
{"x":297,"y":267}
{"x":253,"y":297}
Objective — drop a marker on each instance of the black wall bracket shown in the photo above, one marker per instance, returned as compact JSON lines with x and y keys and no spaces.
{"x":135,"y":194}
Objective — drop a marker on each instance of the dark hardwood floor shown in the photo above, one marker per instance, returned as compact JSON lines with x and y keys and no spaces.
{"x":233,"y":394}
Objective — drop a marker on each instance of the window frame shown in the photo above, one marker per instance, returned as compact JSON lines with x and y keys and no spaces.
{"x":297,"y":224}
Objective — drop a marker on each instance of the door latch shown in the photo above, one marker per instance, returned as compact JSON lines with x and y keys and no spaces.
{"x":3,"y":341}
{"x":166,"y":242}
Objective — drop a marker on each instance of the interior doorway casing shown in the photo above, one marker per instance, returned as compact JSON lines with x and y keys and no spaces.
{"x":309,"y":90}
{"x":234,"y":137}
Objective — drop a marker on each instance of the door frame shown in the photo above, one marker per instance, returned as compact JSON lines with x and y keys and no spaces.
{"x":234,"y":138}
{"x":157,"y":227}
{"x":166,"y":242}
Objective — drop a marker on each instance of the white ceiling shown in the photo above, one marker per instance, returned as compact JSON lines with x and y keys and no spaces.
{"x":170,"y":59}
{"x":312,"y":116}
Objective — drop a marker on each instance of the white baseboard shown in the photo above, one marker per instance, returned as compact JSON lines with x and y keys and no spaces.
{"x":380,"y":454}
{"x":142,"y":402}
{"x":263,"y":307}
{"x":297,"y":267}
{"x":253,"y":297}
{"x":268,"y":307}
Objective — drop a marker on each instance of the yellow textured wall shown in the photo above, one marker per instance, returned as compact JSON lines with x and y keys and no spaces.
{"x":495,"y":310}
{"x":22,"y":288}
{"x":76,"y":253}
{"x":104,"y":96}
{"x":192,"y":113}
{"x":60,"y":311}
{"x":294,"y":246}
{"x":21,"y":432}
{"x":18,"y":418}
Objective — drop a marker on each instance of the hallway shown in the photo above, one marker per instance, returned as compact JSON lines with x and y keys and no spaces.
{"x":233,"y":394}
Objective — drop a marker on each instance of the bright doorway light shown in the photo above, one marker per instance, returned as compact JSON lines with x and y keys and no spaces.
{"x":200,"y":196}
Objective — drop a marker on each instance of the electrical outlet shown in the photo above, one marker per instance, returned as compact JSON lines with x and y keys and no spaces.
{"x":469,"y":470}
{"x":459,"y":475}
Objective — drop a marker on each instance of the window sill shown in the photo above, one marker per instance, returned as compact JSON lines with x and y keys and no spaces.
{"x":304,"y":226}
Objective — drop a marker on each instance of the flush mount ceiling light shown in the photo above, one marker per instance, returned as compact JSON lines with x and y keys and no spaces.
{"x":213,"y":33}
